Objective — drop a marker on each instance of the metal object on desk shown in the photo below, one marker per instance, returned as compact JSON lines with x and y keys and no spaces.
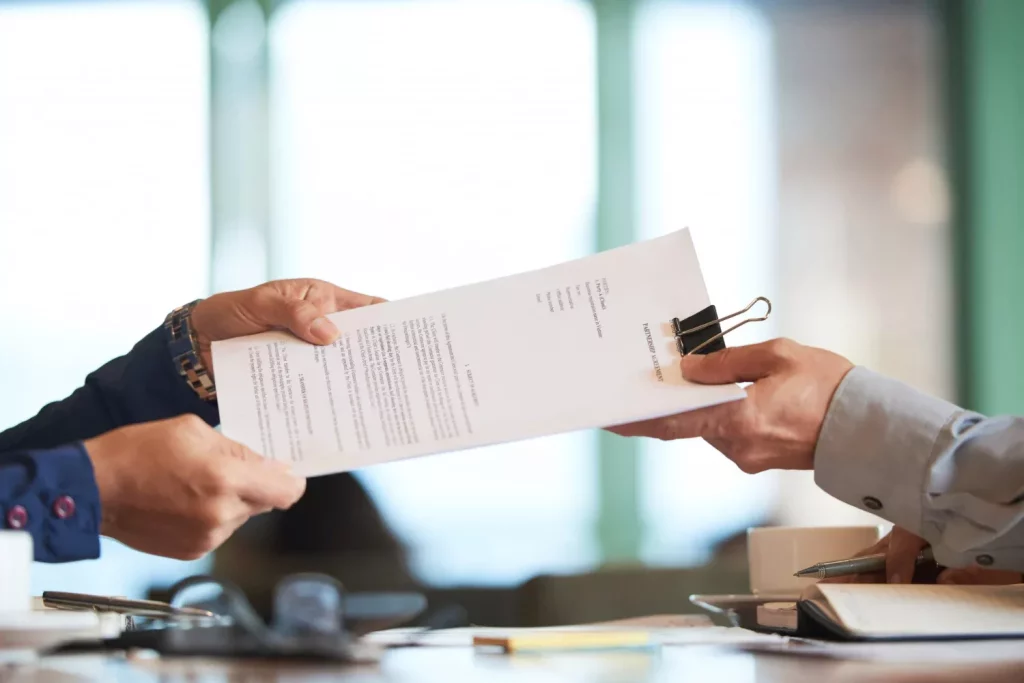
{"x":315,"y":619}
{"x":855,"y":565}
{"x":100,"y":603}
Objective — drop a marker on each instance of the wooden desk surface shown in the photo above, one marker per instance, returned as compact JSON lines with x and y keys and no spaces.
{"x":678,"y":664}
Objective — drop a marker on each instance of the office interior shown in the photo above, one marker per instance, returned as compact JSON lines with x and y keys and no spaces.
{"x":859,"y":162}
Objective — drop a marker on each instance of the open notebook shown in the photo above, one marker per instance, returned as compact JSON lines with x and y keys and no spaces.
{"x":911,"y":612}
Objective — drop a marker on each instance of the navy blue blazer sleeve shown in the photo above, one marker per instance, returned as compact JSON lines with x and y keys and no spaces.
{"x":47,"y":486}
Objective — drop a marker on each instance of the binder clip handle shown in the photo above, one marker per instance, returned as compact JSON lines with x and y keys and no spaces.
{"x":688,"y":332}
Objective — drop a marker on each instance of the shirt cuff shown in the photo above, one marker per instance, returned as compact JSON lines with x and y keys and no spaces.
{"x":877,"y":444}
{"x":55,"y":498}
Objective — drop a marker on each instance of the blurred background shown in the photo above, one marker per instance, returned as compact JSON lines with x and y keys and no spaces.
{"x":859,"y":162}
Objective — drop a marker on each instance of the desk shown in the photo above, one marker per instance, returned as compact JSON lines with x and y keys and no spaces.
{"x":678,"y":664}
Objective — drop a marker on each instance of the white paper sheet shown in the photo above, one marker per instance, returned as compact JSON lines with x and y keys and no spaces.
{"x":584,"y":344}
{"x":661,"y":629}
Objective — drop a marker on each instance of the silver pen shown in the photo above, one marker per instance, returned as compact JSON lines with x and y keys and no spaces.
{"x":102,"y":603}
{"x":855,"y":565}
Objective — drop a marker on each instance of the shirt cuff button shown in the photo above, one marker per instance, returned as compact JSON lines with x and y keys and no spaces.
{"x":872,"y":503}
{"x":985,"y":560}
{"x":64,"y":507}
{"x":17,"y":517}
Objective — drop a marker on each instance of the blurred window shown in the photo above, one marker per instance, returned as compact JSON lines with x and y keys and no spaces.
{"x":104,"y":201}
{"x":403,"y":146}
{"x":423,"y":145}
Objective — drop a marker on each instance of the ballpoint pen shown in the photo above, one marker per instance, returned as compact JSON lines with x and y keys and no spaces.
{"x":100,"y":603}
{"x":855,"y":565}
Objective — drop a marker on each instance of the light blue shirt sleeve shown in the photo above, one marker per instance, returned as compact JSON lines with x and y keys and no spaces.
{"x":951,"y":476}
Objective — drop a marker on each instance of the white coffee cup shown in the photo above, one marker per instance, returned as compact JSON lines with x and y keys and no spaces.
{"x":16,"y":564}
{"x":774,"y":554}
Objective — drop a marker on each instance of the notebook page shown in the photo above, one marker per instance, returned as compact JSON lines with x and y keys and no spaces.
{"x":927,"y":610}
{"x":587,"y":343}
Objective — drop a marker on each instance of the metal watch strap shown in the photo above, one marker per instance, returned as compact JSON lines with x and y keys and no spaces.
{"x":184,"y":349}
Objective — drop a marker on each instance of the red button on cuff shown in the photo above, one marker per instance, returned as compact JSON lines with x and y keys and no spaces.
{"x":64,"y":507}
{"x":17,"y":517}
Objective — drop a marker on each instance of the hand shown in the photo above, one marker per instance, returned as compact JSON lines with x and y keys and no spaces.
{"x":178,"y":488}
{"x":295,"y":305}
{"x":777,"y":426}
{"x":901,"y":549}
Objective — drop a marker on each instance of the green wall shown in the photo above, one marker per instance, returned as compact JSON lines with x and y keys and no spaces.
{"x":986,"y":106}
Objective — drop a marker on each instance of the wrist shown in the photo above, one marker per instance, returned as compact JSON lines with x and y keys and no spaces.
{"x":99,"y":451}
{"x":190,"y":353}
{"x":844,"y":370}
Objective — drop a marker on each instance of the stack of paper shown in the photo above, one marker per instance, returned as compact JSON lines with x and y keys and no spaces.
{"x":652,"y":630}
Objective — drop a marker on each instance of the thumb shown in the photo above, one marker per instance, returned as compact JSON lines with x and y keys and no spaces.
{"x":901,"y":560}
{"x":737,"y":364}
{"x":266,"y":484}
{"x":262,"y":482}
{"x":302,"y":318}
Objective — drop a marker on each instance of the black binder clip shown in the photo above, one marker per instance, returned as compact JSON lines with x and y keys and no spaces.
{"x":702,"y":332}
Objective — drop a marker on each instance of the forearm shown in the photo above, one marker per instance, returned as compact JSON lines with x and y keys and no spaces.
{"x":951,"y":476}
{"x":140,"y":386}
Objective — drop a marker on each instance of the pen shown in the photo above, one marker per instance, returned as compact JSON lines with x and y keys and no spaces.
{"x":100,"y":603}
{"x":856,"y":565}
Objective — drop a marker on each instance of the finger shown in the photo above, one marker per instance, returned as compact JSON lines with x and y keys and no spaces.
{"x":735,"y":364}
{"x":881,"y":546}
{"x":950,"y":577}
{"x":687,"y":425}
{"x":282,"y":309}
{"x":869,"y":577}
{"x":901,"y":559}
{"x":750,"y":459}
{"x":723,"y":446}
{"x":250,"y":469}
{"x":330,"y":298}
{"x":266,"y":484}
{"x":963,"y":576}
{"x":975,"y":575}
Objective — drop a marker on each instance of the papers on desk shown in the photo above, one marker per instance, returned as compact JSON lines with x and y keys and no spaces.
{"x":580,"y":345}
{"x":655,"y":630}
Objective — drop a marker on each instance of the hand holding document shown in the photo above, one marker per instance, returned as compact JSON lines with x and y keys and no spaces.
{"x":579,"y":345}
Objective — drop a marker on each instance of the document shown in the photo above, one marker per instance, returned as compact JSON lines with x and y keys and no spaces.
{"x":657,"y":629}
{"x":583,"y":344}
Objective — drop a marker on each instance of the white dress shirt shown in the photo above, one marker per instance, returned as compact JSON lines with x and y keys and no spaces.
{"x":953,"y":477}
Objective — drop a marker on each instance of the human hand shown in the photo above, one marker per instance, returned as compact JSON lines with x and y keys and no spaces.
{"x":777,"y":425}
{"x":178,"y":488}
{"x":295,"y":305}
{"x":901,"y":549}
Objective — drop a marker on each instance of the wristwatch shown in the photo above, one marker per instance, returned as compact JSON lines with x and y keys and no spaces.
{"x":184,"y":347}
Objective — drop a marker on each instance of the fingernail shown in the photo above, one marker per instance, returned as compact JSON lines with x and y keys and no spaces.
{"x":688,"y":363}
{"x":324,"y":330}
{"x":895,"y":578}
